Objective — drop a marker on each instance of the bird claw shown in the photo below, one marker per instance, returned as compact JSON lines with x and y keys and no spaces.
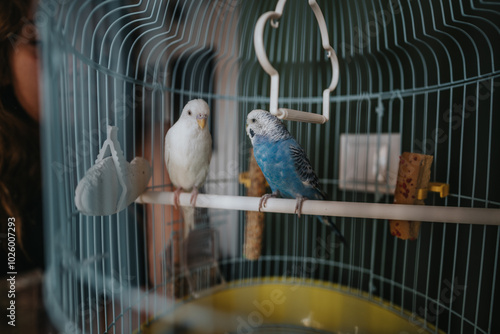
{"x":194,"y":196}
{"x":298,"y":205}
{"x":262,"y":202}
{"x":263,"y":199}
{"x":177,"y":193}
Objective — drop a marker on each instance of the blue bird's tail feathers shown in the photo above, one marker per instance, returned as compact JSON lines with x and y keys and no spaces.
{"x":328,"y":220}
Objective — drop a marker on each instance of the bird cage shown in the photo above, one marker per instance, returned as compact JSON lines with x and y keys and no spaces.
{"x":413,"y":80}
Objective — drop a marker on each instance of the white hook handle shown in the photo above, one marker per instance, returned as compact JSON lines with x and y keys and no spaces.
{"x":284,"y":113}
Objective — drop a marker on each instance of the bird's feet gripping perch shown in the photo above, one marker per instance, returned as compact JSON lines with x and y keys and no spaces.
{"x":263,"y":199}
{"x":177,"y":193}
{"x":298,"y":205}
{"x":194,"y":196}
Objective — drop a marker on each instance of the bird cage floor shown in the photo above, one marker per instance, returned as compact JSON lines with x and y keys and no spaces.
{"x":275,"y":305}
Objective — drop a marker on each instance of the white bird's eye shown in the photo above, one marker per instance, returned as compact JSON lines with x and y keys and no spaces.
{"x":189,"y":112}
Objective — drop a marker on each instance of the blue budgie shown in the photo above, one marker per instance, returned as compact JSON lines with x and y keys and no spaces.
{"x":284,"y":163}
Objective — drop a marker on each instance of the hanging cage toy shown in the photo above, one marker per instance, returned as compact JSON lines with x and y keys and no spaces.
{"x":112,"y":183}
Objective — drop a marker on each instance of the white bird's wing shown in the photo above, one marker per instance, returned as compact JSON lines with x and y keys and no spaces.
{"x":202,"y":148}
{"x":209,"y":145}
{"x":167,"y":147}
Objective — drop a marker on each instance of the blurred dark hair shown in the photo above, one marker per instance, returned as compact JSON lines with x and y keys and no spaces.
{"x":13,"y":14}
{"x":20,"y":177}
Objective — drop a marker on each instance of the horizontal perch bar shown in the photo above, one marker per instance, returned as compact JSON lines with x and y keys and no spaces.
{"x":446,"y":214}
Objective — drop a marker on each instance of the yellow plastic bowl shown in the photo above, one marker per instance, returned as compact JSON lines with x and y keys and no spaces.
{"x":286,"y":306}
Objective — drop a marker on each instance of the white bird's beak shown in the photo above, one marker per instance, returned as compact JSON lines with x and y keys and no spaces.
{"x":202,"y":121}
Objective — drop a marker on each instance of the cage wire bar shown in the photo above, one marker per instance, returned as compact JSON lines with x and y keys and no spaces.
{"x":426,"y":70}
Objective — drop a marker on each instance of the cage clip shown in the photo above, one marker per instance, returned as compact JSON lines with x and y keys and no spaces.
{"x":284,"y":113}
{"x":436,"y":187}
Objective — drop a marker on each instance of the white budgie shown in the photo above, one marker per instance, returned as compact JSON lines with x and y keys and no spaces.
{"x":188,"y":150}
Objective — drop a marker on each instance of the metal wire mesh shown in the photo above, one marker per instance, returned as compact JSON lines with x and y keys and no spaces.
{"x":422,"y":69}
